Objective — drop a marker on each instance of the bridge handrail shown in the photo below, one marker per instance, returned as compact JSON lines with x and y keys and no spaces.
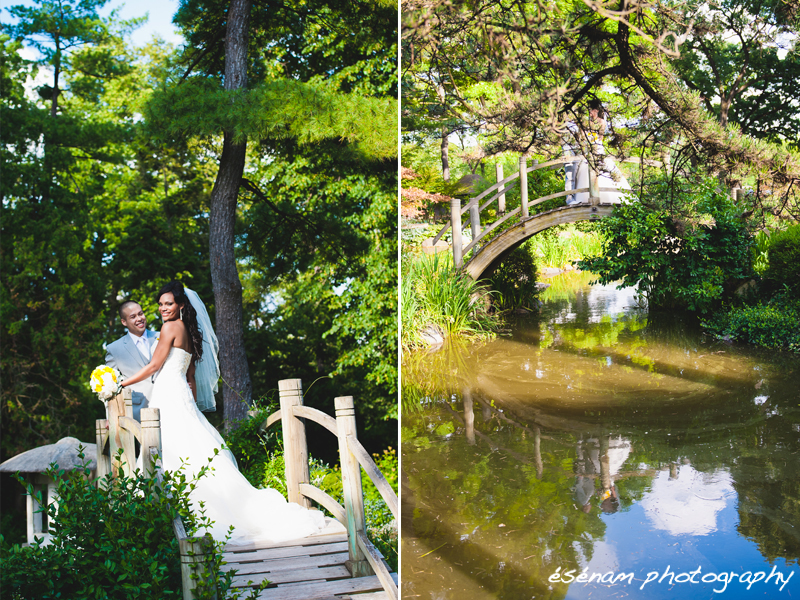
{"x":507,"y":216}
{"x":502,"y":188}
{"x":374,"y":473}
{"x":120,"y":431}
{"x":475,"y":207}
{"x":375,"y":560}
{"x":365,"y":559}
{"x":307,"y":489}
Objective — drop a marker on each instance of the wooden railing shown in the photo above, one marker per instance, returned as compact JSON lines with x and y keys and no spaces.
{"x":119,"y":432}
{"x":497,"y":193}
{"x":365,"y":559}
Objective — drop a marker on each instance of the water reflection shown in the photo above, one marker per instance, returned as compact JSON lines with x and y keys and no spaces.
{"x":605,"y":442}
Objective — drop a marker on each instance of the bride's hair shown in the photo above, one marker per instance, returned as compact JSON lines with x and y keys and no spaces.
{"x":189,"y":316}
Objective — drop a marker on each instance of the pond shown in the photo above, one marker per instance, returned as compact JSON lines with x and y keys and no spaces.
{"x":596,"y":451}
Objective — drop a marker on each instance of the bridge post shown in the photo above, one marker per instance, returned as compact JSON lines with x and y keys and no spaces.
{"x":523,"y":185}
{"x":594,"y":187}
{"x":103,"y":457}
{"x":151,"y":437}
{"x":475,"y":222}
{"x":295,"y":447}
{"x":501,"y":200}
{"x":455,"y":227}
{"x":197,"y":577}
{"x":119,"y":438}
{"x":351,"y":487}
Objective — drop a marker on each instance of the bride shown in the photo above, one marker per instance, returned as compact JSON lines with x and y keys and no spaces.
{"x":186,"y":363}
{"x":609,"y":175}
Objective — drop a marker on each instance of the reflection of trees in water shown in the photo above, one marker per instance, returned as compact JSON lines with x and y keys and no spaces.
{"x":481,"y":481}
{"x":476,"y":465}
{"x":476,"y":459}
{"x":767,"y":480}
{"x":436,"y":374}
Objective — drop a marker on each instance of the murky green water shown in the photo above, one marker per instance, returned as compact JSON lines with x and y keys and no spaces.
{"x":593,"y":439}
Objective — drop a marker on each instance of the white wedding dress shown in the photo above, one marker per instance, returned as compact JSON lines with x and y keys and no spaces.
{"x":188,"y":440}
{"x":609,"y":175}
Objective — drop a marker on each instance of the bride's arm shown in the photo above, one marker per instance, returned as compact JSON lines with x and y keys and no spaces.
{"x":190,"y":379}
{"x":164,"y":345}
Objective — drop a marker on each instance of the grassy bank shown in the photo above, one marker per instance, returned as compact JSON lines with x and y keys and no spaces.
{"x":438,"y":302}
{"x":564,"y":244}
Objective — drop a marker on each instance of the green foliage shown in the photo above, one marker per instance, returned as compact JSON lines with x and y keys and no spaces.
{"x":434,"y":293}
{"x":564,"y":244}
{"x":761,"y":244}
{"x":784,"y":258}
{"x":85,"y":222}
{"x":251,"y":447}
{"x":95,"y":209}
{"x":423,"y":160}
{"x":774,"y":325}
{"x":322,"y":247}
{"x":739,"y":70}
{"x":110,"y":539}
{"x":515,"y":281}
{"x":54,"y":30}
{"x":676,"y":261}
{"x":277,"y":109}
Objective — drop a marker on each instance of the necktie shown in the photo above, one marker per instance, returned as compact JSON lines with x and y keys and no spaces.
{"x":143,"y":347}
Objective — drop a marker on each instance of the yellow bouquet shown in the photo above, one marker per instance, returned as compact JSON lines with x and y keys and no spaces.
{"x":105,"y":382}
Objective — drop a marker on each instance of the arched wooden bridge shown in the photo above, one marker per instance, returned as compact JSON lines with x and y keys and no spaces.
{"x":485,"y":255}
{"x":338,"y":562}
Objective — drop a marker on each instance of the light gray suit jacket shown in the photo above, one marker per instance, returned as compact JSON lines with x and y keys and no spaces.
{"x":125,"y":356}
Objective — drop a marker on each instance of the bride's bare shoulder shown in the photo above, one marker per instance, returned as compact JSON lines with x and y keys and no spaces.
{"x":173,"y":327}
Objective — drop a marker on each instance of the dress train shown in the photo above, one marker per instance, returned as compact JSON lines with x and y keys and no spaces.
{"x":189,"y":440}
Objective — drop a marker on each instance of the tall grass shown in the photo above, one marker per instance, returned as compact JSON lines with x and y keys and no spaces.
{"x":563,"y":245}
{"x":434,"y":293}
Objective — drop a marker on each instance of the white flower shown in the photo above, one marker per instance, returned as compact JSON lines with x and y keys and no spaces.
{"x":105,"y":382}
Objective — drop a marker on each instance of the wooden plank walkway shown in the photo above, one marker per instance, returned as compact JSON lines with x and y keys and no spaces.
{"x":311,"y":568}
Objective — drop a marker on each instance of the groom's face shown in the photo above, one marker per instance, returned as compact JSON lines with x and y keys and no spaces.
{"x":133,"y":319}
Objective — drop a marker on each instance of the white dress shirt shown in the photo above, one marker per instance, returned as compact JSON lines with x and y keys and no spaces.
{"x":142,"y":344}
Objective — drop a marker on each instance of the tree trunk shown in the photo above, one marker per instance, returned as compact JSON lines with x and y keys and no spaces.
{"x":445,"y":155}
{"x":724,"y":109}
{"x":56,"y":73}
{"x":445,"y":138}
{"x":54,"y":101}
{"x":235,"y":372}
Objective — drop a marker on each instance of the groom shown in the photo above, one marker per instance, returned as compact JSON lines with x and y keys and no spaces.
{"x":133,"y":351}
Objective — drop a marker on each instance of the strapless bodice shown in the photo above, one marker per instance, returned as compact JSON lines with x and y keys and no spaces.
{"x":177,"y":363}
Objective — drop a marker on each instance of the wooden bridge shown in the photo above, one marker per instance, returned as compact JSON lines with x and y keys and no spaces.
{"x":524,"y":225}
{"x":338,"y":562}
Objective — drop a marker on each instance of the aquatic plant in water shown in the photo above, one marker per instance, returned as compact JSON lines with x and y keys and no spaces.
{"x":435,"y":294}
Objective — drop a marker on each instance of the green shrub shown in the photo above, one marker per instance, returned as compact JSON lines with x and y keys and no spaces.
{"x":112,"y":540}
{"x":515,"y":281}
{"x":761,"y":244}
{"x":250,"y":446}
{"x":677,"y":260}
{"x":775,"y":325}
{"x":784,"y":258}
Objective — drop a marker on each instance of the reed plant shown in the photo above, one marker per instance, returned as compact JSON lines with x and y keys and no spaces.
{"x":563,"y":245}
{"x":435,"y":294}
